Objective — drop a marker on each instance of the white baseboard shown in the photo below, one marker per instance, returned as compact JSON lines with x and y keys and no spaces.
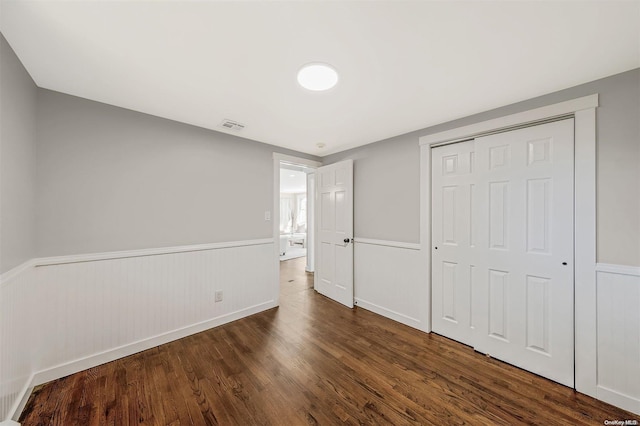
{"x":21,"y":401}
{"x":94,"y":360}
{"x":619,"y":399}
{"x":396,"y":316}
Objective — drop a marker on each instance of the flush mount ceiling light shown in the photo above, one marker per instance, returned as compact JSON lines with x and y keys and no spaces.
{"x":317,"y":77}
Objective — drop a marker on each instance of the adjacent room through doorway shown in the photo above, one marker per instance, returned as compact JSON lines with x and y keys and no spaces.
{"x":296,"y":214}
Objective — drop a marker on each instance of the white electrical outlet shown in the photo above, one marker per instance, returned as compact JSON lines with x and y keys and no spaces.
{"x":218,"y":296}
{"x":267,"y":215}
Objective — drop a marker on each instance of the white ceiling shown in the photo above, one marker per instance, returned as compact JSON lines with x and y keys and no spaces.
{"x":403,"y":65}
{"x":292,"y":181}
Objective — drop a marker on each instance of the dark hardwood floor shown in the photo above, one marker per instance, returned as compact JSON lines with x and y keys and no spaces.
{"x":311,"y":361}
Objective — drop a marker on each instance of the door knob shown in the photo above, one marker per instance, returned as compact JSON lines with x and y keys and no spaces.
{"x":346,"y":240}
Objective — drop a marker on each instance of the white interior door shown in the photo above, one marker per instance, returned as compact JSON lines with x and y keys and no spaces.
{"x":453,"y":245}
{"x":334,"y":219}
{"x":525,"y":315}
{"x":518,"y":264}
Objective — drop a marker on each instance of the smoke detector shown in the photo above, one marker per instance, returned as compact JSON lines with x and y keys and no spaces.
{"x":232,"y":125}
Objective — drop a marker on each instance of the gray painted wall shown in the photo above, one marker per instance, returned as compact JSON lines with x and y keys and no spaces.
{"x":17,"y":160}
{"x":386,"y":173}
{"x":114,"y":179}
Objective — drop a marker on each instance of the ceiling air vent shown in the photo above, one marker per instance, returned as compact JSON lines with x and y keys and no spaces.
{"x":231,"y":125}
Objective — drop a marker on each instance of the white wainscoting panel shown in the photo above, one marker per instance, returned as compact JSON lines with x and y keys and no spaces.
{"x":59,"y":318}
{"x":618,"y":314}
{"x":16,"y":325}
{"x":390,"y":279}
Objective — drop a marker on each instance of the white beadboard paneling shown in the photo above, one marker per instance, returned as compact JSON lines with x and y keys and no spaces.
{"x":389,"y":279}
{"x":16,"y":327}
{"x":104,"y":306}
{"x":618,"y":331}
{"x":64,"y":315}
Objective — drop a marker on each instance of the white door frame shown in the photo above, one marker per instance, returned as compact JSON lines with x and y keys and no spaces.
{"x":584,"y":112}
{"x":275,"y":217}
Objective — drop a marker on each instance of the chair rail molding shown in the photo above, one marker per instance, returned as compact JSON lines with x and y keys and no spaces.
{"x":60,"y":260}
{"x":387,"y":243}
{"x":618,"y":269}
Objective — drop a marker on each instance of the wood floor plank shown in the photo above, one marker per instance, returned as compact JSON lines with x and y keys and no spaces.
{"x":311,"y":362}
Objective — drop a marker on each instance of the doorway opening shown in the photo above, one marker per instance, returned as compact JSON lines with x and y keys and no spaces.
{"x":295,"y":222}
{"x":293,"y":216}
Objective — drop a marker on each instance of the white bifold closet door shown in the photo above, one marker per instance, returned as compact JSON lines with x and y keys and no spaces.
{"x":502,"y":246}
